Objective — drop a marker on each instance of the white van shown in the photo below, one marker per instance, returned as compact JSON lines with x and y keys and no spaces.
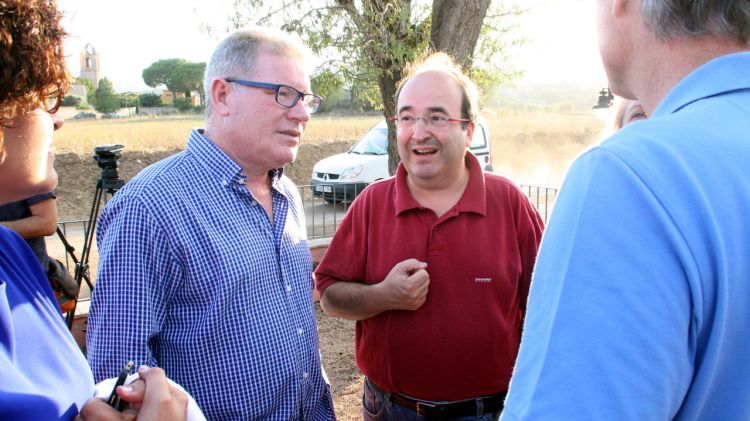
{"x":342,"y":177}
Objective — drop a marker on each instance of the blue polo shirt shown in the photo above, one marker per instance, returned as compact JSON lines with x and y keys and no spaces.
{"x":639,"y":302}
{"x":43,"y":374}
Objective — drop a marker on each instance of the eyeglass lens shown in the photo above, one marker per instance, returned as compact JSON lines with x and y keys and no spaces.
{"x":288,"y":97}
{"x":433,"y":120}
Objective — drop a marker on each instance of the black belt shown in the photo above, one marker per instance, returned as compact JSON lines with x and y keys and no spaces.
{"x":442,"y":410}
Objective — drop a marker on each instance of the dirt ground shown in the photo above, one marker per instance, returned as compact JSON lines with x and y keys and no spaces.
{"x":78,"y":175}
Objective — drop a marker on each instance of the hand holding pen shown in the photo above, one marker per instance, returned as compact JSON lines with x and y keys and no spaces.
{"x":149,"y":398}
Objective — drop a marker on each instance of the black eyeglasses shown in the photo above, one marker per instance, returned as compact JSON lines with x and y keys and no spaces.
{"x":286,"y":96}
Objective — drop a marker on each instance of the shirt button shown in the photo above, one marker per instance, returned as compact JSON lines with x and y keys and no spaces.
{"x":288,"y":288}
{"x":224,"y":182}
{"x":305,"y":375}
{"x":299,"y":331}
{"x":253,"y":203}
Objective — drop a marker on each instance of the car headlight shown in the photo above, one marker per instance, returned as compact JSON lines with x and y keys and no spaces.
{"x":351,"y":172}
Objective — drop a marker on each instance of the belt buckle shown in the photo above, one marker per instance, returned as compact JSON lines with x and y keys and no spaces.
{"x":423,"y":408}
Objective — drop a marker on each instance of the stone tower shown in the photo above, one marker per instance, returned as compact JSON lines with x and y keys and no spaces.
{"x":90,"y":64}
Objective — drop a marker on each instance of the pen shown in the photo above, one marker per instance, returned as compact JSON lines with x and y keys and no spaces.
{"x":114,"y":400}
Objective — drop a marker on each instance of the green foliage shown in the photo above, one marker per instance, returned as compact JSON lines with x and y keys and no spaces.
{"x":500,"y":35}
{"x":106,"y":98}
{"x":127,"y":99}
{"x":188,"y":76}
{"x":71,"y":101}
{"x":183,"y":104}
{"x":177,"y":74}
{"x":160,"y":73}
{"x":330,"y":86}
{"x":368,"y":42}
{"x":149,"y":100}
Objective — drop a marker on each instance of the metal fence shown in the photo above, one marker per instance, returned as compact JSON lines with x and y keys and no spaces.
{"x":323,"y":213}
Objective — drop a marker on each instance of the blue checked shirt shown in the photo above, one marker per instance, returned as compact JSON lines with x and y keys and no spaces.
{"x":194,"y":278}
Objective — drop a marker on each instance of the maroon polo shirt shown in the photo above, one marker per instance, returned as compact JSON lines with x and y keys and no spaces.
{"x":463,"y":341}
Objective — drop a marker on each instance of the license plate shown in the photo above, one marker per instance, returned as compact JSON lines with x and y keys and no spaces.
{"x":323,"y":189}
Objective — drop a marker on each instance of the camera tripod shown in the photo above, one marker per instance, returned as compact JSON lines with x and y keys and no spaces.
{"x":108,"y":184}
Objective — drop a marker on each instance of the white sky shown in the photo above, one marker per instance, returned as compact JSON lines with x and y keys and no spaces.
{"x":130,"y":35}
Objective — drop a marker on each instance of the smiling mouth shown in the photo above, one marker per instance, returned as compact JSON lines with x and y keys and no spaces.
{"x":425,"y":152}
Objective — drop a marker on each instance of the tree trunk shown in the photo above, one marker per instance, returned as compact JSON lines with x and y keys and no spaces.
{"x":455,"y":27}
{"x":389,"y":27}
{"x":387,"y":82}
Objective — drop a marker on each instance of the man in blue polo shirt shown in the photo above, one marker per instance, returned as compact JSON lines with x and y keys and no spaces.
{"x":638,"y":308}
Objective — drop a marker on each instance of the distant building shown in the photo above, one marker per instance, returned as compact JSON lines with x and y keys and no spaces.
{"x":90,"y":64}
{"x":166,"y":98}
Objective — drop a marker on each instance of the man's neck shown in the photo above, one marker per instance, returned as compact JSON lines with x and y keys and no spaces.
{"x":439,"y":198}
{"x":260,"y":187}
{"x":670,"y":61}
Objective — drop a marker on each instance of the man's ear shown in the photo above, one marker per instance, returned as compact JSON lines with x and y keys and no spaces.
{"x":219,"y":92}
{"x":470,"y":126}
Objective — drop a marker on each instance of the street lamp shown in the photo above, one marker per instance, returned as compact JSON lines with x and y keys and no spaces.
{"x":606,"y":99}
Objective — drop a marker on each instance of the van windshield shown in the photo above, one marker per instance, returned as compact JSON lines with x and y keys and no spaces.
{"x":375,"y":142}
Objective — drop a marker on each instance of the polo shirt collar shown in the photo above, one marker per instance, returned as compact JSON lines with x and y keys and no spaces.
{"x":474,"y":198}
{"x":218,"y":163}
{"x":715,"y":77}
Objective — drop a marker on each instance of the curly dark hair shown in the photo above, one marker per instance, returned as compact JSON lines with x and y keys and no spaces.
{"x":32,"y":62}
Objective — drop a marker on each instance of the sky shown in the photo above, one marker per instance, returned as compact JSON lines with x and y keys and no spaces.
{"x":130,"y":35}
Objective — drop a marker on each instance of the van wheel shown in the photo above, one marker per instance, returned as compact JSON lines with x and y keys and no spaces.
{"x":329,"y":201}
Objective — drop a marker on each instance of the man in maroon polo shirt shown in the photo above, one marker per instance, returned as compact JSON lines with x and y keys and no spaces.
{"x":434,"y":264}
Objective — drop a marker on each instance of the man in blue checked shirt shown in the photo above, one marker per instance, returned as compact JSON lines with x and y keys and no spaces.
{"x":204,"y":265}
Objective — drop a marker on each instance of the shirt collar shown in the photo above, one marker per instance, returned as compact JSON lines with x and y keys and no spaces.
{"x":723,"y":77}
{"x":474,"y":198}
{"x":218,"y":163}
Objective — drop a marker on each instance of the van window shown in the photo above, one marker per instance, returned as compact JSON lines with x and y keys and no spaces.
{"x":479,"y":139}
{"x":375,"y":142}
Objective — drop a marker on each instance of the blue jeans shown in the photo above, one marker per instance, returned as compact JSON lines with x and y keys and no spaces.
{"x":377,"y":406}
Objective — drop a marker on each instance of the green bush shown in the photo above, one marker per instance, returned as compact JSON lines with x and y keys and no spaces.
{"x":183,"y":104}
{"x":149,"y":100}
{"x":71,"y":101}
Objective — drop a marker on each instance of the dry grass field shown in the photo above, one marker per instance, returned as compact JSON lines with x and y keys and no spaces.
{"x":530,"y":148}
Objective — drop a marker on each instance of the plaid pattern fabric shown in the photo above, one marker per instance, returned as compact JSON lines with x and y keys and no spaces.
{"x":194,"y":278}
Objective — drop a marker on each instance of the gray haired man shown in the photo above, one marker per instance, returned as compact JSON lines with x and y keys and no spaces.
{"x":638,"y":308}
{"x":204,"y":265}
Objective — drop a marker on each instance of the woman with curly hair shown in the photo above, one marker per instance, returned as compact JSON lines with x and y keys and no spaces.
{"x":33,"y":80}
{"x":44,"y":375}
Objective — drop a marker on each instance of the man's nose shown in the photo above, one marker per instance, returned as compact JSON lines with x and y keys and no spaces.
{"x":299,"y":112}
{"x":421,"y":129}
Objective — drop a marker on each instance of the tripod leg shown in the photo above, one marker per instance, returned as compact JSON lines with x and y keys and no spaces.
{"x":82,"y":267}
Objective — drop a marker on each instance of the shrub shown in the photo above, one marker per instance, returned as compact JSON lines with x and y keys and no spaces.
{"x":149,"y":100}
{"x":183,"y":104}
{"x":71,"y":101}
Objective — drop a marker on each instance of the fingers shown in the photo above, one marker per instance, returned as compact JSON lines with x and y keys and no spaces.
{"x":407,"y":285}
{"x":99,"y":410}
{"x":409,"y":266}
{"x":161,"y":400}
